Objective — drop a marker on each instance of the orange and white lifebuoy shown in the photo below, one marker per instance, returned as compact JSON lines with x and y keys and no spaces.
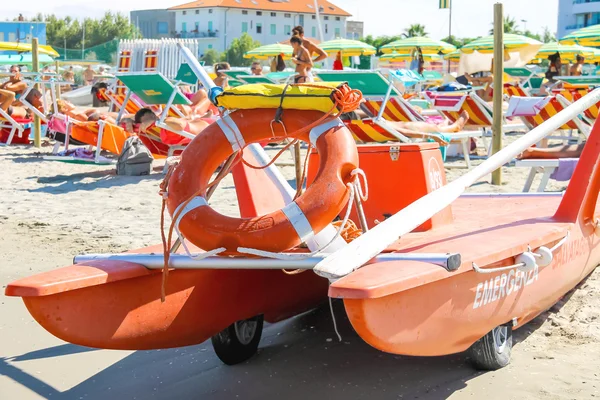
{"x":283,"y":229}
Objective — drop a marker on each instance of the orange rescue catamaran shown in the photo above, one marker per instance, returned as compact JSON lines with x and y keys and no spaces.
{"x":439,"y":273}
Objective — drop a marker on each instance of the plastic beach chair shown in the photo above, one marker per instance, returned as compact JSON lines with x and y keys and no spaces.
{"x":255,"y":79}
{"x":384,"y":103}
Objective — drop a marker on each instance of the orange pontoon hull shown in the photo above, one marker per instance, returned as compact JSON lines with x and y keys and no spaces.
{"x":116,"y":305}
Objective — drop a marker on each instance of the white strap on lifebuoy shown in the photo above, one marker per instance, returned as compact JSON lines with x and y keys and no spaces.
{"x":299,"y":221}
{"x":232,"y":132}
{"x":196,"y":202}
{"x":317,"y":131}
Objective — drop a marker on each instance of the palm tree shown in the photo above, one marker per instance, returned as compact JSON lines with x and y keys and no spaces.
{"x":510,"y":26}
{"x":548,"y":36}
{"x":415,"y":30}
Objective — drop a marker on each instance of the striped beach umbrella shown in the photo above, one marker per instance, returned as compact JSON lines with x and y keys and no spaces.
{"x":588,"y":36}
{"x":511,"y":42}
{"x":427,"y":45}
{"x":270,"y":50}
{"x":348,"y":47}
{"x":566,"y":51}
{"x":394,"y":57}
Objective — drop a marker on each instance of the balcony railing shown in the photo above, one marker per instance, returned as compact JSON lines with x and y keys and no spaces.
{"x":196,"y":35}
{"x":572,"y":27}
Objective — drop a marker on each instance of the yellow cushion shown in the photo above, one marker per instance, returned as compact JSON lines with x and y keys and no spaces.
{"x":265,"y":95}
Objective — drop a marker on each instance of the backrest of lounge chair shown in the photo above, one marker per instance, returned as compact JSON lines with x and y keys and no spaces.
{"x":152,"y":88}
{"x":397,"y":109}
{"x":151,"y":61}
{"x":534,"y":83}
{"x":451,"y":105}
{"x":432,"y":75}
{"x":370,"y":83}
{"x":366,"y":131}
{"x":590,"y":80}
{"x":576,"y":94}
{"x":280,"y":76}
{"x":236,"y":74}
{"x":186,"y":75}
{"x":552,"y":108}
{"x":255,"y":79}
{"x":518,"y":72}
{"x":515,"y":90}
{"x":123,"y":66}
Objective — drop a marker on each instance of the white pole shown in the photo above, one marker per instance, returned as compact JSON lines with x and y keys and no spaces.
{"x":372,"y":243}
{"x":83,"y":41}
{"x":318,"y":14}
{"x":182,"y":261}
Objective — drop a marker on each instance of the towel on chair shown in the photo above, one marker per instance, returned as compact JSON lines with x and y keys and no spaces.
{"x":526,"y":106}
{"x":566,"y":167}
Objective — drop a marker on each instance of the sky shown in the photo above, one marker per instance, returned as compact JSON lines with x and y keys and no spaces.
{"x":470,"y":18}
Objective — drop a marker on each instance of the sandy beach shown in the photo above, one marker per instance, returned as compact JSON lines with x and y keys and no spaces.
{"x":52,"y":211}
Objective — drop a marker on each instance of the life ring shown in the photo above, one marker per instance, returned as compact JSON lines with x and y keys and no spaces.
{"x":278,"y":231}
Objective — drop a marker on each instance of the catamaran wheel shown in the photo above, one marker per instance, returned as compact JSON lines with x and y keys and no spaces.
{"x":238,"y":342}
{"x":492,"y":351}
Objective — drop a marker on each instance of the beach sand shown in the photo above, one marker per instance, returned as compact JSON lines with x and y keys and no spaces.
{"x":52,"y":211}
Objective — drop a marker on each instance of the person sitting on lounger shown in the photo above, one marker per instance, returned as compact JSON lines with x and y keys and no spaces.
{"x":421,"y":129}
{"x":7,"y":103}
{"x":146,"y":118}
{"x":15,"y":83}
{"x":92,"y":114}
{"x":552,"y":153}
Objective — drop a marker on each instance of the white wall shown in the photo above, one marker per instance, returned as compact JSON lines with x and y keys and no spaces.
{"x":229,"y":22}
{"x":567,"y":15}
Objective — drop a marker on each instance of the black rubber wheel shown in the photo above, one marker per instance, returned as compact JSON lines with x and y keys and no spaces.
{"x":238,"y":342}
{"x":492,"y":351}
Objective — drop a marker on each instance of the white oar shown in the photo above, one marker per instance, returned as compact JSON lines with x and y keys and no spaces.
{"x":370,"y":244}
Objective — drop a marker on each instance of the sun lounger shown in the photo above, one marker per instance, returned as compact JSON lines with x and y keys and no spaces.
{"x":255,"y":79}
{"x":546,"y":167}
{"x":384,"y":103}
{"x":540,"y":109}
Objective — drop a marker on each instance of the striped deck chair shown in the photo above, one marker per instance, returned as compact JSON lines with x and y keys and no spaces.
{"x":150,"y":61}
{"x":118,"y":89}
{"x":451,"y":105}
{"x":511,"y":90}
{"x":550,"y":106}
{"x":574,"y":94}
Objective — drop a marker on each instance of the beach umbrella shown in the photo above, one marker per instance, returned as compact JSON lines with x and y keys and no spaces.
{"x":566,"y":51}
{"x":588,"y":36}
{"x":454,"y":56}
{"x":270,"y":50}
{"x":26,"y":48}
{"x":392,"y":57}
{"x":511,"y":42}
{"x":427,"y":46}
{"x":348,"y":47}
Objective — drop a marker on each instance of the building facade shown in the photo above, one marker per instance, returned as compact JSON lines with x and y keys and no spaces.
{"x":154,"y":24}
{"x":216,"y":23}
{"x":22,"y":31}
{"x":355,"y":30}
{"x":577,"y":14}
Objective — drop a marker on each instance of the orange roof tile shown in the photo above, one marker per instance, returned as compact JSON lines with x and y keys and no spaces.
{"x":298,"y":6}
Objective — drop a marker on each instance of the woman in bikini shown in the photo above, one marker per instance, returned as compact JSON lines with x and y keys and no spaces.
{"x":301,"y":59}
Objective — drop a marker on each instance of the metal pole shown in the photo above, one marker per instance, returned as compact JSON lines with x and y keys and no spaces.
{"x":83,"y":41}
{"x":37,"y":125}
{"x":57,"y":87}
{"x":450,"y":28}
{"x":321,"y":37}
{"x":498,"y":86}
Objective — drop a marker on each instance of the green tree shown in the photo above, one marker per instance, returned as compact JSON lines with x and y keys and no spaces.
{"x":415,"y":30}
{"x":533,"y":35}
{"x":548,"y":36}
{"x":239,"y":47}
{"x":68,"y":33}
{"x":457,"y":42}
{"x":211,"y":56}
{"x":510,"y":26}
{"x":380,"y":41}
